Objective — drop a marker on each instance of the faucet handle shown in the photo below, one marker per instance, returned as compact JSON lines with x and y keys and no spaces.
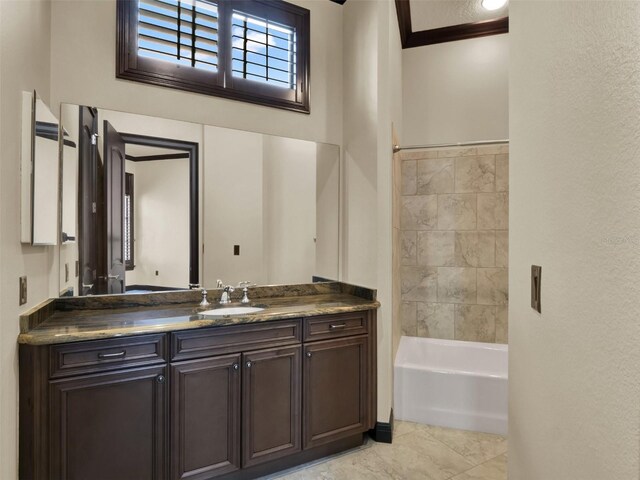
{"x":245,"y":290}
{"x":204,"y":302}
{"x":219,"y":284}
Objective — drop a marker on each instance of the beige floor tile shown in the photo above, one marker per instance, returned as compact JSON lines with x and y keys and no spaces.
{"x":494,"y":469}
{"x":476,"y":447}
{"x":418,"y":452}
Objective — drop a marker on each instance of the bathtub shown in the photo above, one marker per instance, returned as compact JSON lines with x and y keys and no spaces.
{"x":452,"y":384}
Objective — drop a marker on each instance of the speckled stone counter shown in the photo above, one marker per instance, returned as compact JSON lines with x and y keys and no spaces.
{"x":63,"y":320}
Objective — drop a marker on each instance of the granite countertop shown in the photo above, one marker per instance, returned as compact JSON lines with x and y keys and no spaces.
{"x":60,"y":321}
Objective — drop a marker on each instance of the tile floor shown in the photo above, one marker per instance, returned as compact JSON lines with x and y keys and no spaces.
{"x":419,"y":452}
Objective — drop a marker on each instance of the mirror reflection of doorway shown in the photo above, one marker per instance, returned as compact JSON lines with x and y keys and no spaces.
{"x":133,"y":234}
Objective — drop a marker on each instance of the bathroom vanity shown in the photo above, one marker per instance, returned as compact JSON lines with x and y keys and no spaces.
{"x":146,"y":387}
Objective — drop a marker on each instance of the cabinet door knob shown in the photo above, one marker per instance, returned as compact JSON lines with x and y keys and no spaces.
{"x":248,"y":364}
{"x":309,"y":354}
{"x":160,"y":379}
{"x":236,"y":366}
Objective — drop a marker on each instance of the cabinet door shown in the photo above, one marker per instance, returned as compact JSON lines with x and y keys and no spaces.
{"x":335,"y":390}
{"x":110,"y":425}
{"x":271,"y":404}
{"x":205,"y":417}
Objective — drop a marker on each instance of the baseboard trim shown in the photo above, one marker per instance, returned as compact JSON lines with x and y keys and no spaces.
{"x":383,"y":432}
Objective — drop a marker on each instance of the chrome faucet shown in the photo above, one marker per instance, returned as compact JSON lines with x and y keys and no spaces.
{"x":226,"y":295}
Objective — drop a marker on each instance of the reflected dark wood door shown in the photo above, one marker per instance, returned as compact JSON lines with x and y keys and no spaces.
{"x":335,"y":390}
{"x":109,"y":426}
{"x":114,"y":168}
{"x":271,"y":404}
{"x":87,"y":201}
{"x":205,"y":416}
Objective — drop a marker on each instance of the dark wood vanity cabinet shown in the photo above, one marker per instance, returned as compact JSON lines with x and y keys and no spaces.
{"x":335,"y":390}
{"x":205,"y":417}
{"x":271,"y":401}
{"x":224,"y":402}
{"x":110,"y":425}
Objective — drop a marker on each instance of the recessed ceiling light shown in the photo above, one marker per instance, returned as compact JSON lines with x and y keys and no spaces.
{"x":493,"y":4}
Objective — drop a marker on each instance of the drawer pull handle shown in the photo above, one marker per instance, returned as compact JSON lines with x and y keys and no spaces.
{"x":236,"y":366}
{"x":337,"y":326}
{"x":248,"y":364}
{"x":112,"y":355}
{"x":309,"y":354}
{"x":160,"y":379}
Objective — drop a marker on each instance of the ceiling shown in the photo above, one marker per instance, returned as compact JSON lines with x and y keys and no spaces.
{"x":429,"y":14}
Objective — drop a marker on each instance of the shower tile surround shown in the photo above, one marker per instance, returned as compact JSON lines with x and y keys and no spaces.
{"x":454,"y":243}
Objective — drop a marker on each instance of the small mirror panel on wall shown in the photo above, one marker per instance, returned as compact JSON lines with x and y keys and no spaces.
{"x":39,"y":172}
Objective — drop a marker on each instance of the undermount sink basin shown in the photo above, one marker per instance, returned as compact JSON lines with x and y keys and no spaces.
{"x":223,"y":312}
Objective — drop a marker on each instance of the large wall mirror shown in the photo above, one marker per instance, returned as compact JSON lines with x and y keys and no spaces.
{"x":151,"y":204}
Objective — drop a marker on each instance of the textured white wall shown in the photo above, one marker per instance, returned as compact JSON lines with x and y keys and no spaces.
{"x":575,"y":210}
{"x":24,"y":66}
{"x":456,"y":91}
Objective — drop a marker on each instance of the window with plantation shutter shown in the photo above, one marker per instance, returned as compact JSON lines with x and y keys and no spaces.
{"x":184,"y":32}
{"x":250,"y":50}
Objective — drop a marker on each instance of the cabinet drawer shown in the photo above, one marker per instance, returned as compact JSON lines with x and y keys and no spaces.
{"x":103,"y":355}
{"x":237,"y":338}
{"x":336,"y":326}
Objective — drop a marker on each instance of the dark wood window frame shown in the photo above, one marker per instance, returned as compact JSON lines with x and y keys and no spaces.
{"x":222,"y":83}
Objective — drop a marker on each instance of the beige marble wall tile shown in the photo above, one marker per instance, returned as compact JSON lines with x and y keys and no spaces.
{"x":493,"y":211}
{"x":456,"y":285}
{"x":436,"y":248}
{"x":419,"y":212}
{"x":502,"y":173}
{"x":408,"y":318}
{"x":457,"y":152}
{"x":502,"y":324}
{"x":475,"y":249}
{"x":475,"y":174}
{"x":409,"y":177}
{"x":408,"y":247}
{"x":419,"y":284}
{"x":418,"y":154}
{"x":475,"y":323}
{"x":457,"y":212}
{"x":493,"y":286}
{"x":435,"y":320}
{"x":492,"y":149}
{"x":502,"y":248}
{"x":435,"y":176}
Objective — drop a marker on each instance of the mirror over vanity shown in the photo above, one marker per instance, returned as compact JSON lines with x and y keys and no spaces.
{"x":151,"y":204}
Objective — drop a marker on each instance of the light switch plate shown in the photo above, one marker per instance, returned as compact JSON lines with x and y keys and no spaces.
{"x":23,"y":290}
